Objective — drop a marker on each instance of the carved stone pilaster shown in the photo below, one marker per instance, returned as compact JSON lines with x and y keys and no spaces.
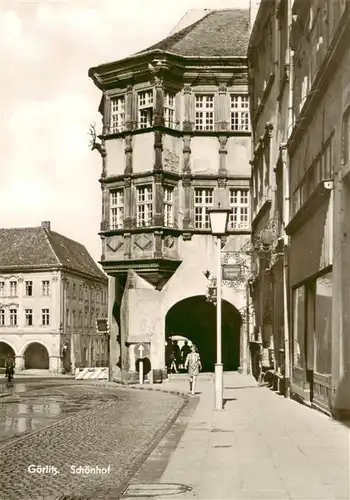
{"x":158,"y":151}
{"x":127,"y":246}
{"x":128,"y":202}
{"x":105,"y":208}
{"x":158,"y":110}
{"x":158,"y":216}
{"x":222,"y":155}
{"x":106,"y":117}
{"x":187,"y":187}
{"x":186,"y":150}
{"x":187,"y":123}
{"x":222,"y":109}
{"x":158,"y":254}
{"x":128,"y":155}
{"x":129,"y":99}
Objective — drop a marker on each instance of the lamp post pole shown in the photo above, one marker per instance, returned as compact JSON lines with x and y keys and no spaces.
{"x":218,"y":221}
{"x":219,"y":372}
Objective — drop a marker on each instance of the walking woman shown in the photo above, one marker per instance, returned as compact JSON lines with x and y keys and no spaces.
{"x":194,"y":365}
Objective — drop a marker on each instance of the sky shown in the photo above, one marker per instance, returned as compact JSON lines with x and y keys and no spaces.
{"x":47,"y":101}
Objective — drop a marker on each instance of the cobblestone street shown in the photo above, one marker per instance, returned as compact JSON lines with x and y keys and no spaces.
{"x":89,"y":425}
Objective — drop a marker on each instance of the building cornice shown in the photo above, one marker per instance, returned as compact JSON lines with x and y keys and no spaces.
{"x":170,"y":67}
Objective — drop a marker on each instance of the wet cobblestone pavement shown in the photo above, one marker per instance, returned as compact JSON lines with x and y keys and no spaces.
{"x":78,"y":425}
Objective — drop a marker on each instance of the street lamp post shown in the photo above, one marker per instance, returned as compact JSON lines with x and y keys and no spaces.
{"x":218,"y":221}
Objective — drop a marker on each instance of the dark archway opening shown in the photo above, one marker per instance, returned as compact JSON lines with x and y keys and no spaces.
{"x":195,"y":318}
{"x":5,"y":351}
{"x":36,"y":357}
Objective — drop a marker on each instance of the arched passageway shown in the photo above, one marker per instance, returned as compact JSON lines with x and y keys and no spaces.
{"x":36,"y":357}
{"x":5,"y":350}
{"x":195,"y":318}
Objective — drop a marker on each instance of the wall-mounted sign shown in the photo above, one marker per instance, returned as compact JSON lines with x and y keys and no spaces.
{"x":231,"y":271}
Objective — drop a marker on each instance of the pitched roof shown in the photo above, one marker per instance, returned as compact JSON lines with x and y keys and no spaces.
{"x":39,"y":247}
{"x":219,"y":33}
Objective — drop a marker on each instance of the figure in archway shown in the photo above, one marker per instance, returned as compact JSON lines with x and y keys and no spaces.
{"x":185,"y":350}
{"x":194,"y":365}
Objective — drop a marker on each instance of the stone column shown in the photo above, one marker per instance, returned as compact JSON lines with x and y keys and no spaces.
{"x":106,"y":114}
{"x":158,"y":217}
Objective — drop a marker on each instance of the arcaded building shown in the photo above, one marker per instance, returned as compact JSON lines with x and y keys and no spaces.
{"x":175,"y":142}
{"x":51,"y":293}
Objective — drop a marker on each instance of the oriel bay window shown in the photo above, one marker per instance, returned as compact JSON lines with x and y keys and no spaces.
{"x":203,"y":199}
{"x":168,"y":206}
{"x":239,"y":113}
{"x":117,"y":114}
{"x":144,"y":206}
{"x":239,"y":202}
{"x":116,"y":210}
{"x":204,"y":112}
{"x":145,"y":108}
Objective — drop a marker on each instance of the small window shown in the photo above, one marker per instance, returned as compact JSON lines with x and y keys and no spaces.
{"x":29,"y":317}
{"x":13,"y":317}
{"x":240,"y":113}
{"x":168,"y":206}
{"x":2,"y":317}
{"x":239,"y":202}
{"x":204,"y":112}
{"x":203,"y":199}
{"x":29,"y":288}
{"x":169,"y":110}
{"x":116,"y":217}
{"x":144,"y":212}
{"x":117,"y":114}
{"x":45,"y":288}
{"x":2,"y":288}
{"x":13,"y":288}
{"x":45,"y":317}
{"x":145,"y":107}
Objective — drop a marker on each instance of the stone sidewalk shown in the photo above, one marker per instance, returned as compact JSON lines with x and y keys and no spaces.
{"x":261,"y":446}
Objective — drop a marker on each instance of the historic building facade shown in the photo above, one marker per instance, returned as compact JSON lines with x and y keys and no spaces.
{"x":318,"y":226}
{"x":304,"y":104}
{"x":51,"y":293}
{"x":175,"y":142}
{"x":269,"y":84}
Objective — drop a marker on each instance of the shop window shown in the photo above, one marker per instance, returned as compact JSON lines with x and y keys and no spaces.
{"x":323,"y":324}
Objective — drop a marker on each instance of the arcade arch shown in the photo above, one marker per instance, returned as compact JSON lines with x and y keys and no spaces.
{"x":195,"y":318}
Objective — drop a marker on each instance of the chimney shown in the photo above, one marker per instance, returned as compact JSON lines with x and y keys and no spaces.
{"x":46,"y":225}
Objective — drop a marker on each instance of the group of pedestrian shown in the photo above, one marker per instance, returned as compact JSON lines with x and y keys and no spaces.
{"x":187,"y":357}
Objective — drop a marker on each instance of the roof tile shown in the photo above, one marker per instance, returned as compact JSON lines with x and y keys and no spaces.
{"x":30,"y":247}
{"x":219,"y":33}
